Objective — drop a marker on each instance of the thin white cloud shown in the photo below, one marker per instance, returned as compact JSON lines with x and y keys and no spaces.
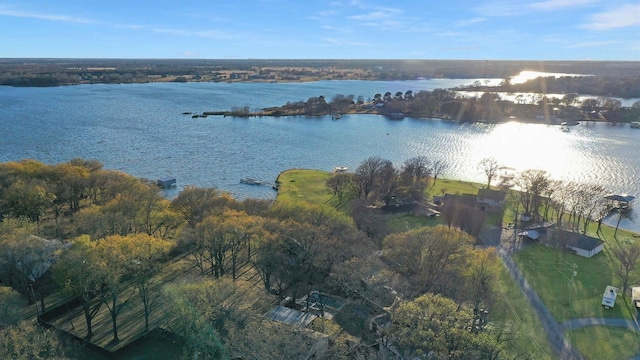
{"x":7,"y":11}
{"x":342,"y":42}
{"x":624,"y":16}
{"x":468,"y":22}
{"x":551,"y":5}
{"x":372,"y":16}
{"x":209,"y":34}
{"x":592,"y":44}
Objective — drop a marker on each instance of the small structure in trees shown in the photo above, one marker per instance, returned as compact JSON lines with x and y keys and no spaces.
{"x":635,"y":297}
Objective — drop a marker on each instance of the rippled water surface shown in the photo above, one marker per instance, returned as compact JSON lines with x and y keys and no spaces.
{"x":140,"y":129}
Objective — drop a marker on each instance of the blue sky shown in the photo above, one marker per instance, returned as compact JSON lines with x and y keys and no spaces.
{"x":316,"y":29}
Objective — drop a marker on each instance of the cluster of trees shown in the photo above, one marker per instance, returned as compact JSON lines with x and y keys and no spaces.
{"x":119,"y":235}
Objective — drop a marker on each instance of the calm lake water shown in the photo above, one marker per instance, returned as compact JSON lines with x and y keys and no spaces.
{"x":140,"y":129}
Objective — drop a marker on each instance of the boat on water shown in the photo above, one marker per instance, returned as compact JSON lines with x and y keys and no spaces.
{"x":564,"y":128}
{"x":340,"y":169}
{"x":635,"y":124}
{"x":336,"y":116}
{"x":251,"y":181}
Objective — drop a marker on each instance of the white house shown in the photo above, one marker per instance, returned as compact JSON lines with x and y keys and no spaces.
{"x":582,"y":245}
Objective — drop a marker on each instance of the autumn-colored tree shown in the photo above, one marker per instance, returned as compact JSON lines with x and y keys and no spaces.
{"x":207,"y":313}
{"x":431,"y":257}
{"x":195,"y":203}
{"x":31,"y":341}
{"x":436,"y":327}
{"x":79,"y":273}
{"x":10,"y":304}
{"x":481,"y":273}
{"x":113,"y":258}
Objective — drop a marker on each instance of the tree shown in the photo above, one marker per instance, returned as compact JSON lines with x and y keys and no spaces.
{"x":196,"y":203}
{"x":416,"y":167}
{"x":531,"y":185}
{"x":435,"y":327}
{"x":490,"y":167}
{"x":30,"y":341}
{"x":208,"y":313}
{"x":481,"y":274}
{"x":387,"y":183}
{"x":628,"y":254}
{"x":438,"y":168}
{"x":79,"y":273}
{"x":339,"y":184}
{"x":10,"y":304}
{"x":145,"y":261}
{"x":367,"y":174}
{"x":430,"y":257}
{"x":29,"y":199}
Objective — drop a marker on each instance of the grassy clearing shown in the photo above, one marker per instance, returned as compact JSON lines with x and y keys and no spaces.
{"x":604,"y":343}
{"x":456,"y":187}
{"x":306,"y":185}
{"x":513,"y":313}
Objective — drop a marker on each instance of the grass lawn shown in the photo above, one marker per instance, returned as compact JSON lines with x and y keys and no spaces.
{"x":306,"y":185}
{"x":549,"y":272}
{"x":513,"y":313}
{"x":455,"y":187}
{"x":604,"y":343}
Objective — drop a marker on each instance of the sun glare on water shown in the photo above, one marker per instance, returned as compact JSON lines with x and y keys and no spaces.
{"x":524,"y":147}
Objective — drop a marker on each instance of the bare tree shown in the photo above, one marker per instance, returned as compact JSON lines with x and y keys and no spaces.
{"x":532,"y":184}
{"x":339,"y":183}
{"x":438,"y":168}
{"x":490,"y":167}
{"x":366,"y":175}
{"x":628,"y":254}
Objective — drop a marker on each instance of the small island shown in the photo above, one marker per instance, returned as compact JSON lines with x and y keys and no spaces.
{"x":454,"y":104}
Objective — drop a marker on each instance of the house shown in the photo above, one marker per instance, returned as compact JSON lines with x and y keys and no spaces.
{"x":489,"y":198}
{"x":167,"y":182}
{"x":609,"y":296}
{"x":581,"y":244}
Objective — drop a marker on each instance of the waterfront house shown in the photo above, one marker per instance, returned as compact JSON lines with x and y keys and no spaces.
{"x":580,"y":244}
{"x":488,"y":198}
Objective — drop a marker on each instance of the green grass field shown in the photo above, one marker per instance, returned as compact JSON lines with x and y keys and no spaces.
{"x":605,"y":343}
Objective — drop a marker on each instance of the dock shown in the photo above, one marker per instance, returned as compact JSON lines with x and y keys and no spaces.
{"x":258,"y":182}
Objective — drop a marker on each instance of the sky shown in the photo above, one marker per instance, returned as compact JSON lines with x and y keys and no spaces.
{"x":317,"y":29}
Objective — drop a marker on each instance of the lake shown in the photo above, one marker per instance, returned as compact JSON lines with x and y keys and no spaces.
{"x":140,"y":129}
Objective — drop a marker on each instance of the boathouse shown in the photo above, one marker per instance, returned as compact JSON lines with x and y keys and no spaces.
{"x":166,"y":182}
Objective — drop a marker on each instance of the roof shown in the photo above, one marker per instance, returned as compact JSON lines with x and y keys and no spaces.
{"x":580,"y":241}
{"x":466,"y":199}
{"x":497,"y":195}
{"x":531,"y":234}
{"x":620,"y":197}
{"x":290,"y":316}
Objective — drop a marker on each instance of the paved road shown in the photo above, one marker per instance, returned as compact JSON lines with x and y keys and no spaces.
{"x":580,"y":323}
